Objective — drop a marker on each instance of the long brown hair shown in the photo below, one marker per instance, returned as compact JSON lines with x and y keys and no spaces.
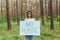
{"x":28,"y":13}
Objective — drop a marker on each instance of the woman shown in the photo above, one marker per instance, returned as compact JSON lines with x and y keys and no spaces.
{"x":29,"y":17}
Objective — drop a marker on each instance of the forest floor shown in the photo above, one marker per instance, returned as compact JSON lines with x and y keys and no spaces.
{"x":46,"y":33}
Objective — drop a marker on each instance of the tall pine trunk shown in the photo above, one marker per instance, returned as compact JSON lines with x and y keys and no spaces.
{"x":1,"y":11}
{"x":57,"y":7}
{"x":8,"y":16}
{"x":14,"y":12}
{"x":59,"y":13}
{"x":51,"y":15}
{"x":41,"y":10}
{"x":17,"y":12}
{"x":21,"y":10}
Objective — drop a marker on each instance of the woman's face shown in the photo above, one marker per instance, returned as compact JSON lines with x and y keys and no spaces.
{"x":29,"y":14}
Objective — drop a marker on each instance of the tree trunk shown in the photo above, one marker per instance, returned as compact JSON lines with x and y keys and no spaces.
{"x":2,"y":12}
{"x":49,"y":8}
{"x":21,"y":9}
{"x":17,"y":12}
{"x":41,"y":10}
{"x":51,"y":15}
{"x":59,"y":13}
{"x":1,"y":9}
{"x":8,"y":16}
{"x":45,"y":8}
{"x":14,"y":13}
{"x":12,"y":9}
{"x":57,"y":9}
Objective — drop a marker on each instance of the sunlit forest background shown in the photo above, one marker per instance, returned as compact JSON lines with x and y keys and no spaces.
{"x":13,"y":11}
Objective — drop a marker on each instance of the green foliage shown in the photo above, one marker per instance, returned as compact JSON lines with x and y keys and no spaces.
{"x":46,"y":33}
{"x":14,"y":37}
{"x":22,"y":16}
{"x":2,"y":19}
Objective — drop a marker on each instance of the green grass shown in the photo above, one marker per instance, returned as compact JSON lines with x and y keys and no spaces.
{"x":46,"y":33}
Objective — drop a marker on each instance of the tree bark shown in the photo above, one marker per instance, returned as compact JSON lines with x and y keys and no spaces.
{"x":59,"y":13}
{"x":2,"y":12}
{"x":51,"y":15}
{"x":17,"y":12}
{"x":8,"y":16}
{"x":21,"y":9}
{"x":41,"y":10}
{"x":14,"y":12}
{"x":1,"y":9}
{"x":57,"y":7}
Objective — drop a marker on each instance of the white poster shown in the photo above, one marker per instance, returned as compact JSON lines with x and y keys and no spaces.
{"x":30,"y":28}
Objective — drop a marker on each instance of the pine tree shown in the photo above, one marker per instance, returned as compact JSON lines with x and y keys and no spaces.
{"x":51,"y":15}
{"x":8,"y":16}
